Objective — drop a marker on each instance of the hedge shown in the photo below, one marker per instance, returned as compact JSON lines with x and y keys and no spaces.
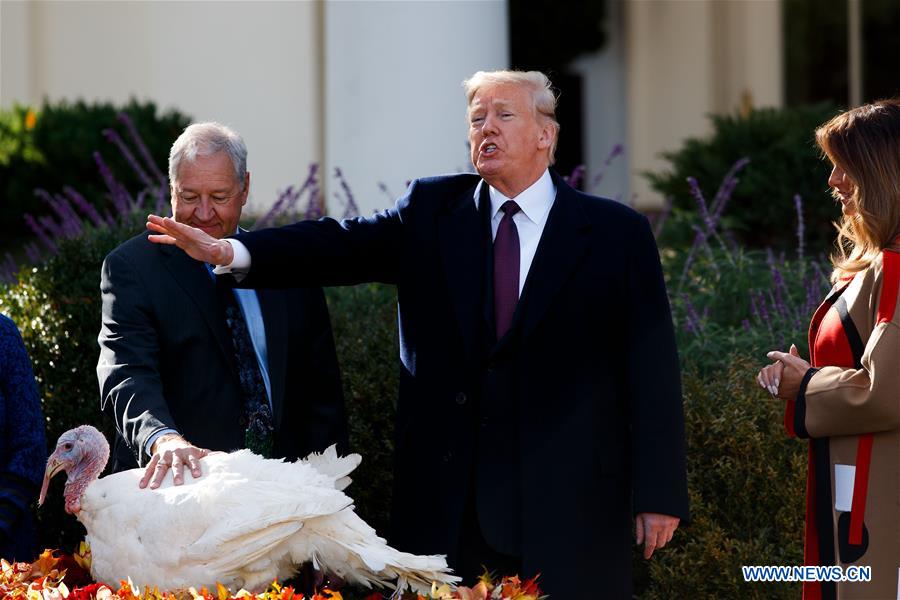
{"x":52,"y":146}
{"x":783,"y":162}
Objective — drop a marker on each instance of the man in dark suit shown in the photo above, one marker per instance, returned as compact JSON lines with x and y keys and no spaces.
{"x":185,"y":367}
{"x":540,"y":405}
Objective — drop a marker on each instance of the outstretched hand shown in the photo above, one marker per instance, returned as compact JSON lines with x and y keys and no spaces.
{"x":654,"y":530}
{"x":782,"y":378}
{"x":175,"y":452}
{"x":195,"y":242}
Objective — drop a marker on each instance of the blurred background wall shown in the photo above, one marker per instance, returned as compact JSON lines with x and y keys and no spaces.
{"x":373,"y":87}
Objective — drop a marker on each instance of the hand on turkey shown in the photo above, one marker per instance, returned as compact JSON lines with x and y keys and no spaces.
{"x":171,"y":452}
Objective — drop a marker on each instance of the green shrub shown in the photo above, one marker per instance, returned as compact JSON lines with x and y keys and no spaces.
{"x":784,"y":161}
{"x":54,"y":148}
{"x":364,"y":319}
{"x":741,"y":303}
{"x":746,"y":480}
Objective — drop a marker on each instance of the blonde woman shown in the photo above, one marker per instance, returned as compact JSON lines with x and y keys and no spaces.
{"x":846,"y":399}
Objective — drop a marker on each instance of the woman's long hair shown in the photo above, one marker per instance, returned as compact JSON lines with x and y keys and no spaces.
{"x":865,"y":143}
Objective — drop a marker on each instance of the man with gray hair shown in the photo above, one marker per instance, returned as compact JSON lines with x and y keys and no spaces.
{"x":540,"y":410}
{"x":188,"y":366}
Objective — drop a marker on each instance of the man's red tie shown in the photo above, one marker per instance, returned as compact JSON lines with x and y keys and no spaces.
{"x":506,"y":269}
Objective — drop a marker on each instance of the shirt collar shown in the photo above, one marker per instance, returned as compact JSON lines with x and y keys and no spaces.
{"x":534,"y":202}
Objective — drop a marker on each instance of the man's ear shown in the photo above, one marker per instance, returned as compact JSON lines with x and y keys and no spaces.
{"x":246,"y":192}
{"x":545,"y":139}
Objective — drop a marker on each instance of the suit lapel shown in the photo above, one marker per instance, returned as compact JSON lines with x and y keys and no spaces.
{"x":563,"y":242}
{"x":194,"y":279}
{"x":462,"y":254}
{"x":273,"y":305}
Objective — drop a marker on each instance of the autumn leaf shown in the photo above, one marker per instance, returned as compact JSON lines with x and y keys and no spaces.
{"x":44,"y":564}
{"x":82,"y":556}
{"x":479,"y":592}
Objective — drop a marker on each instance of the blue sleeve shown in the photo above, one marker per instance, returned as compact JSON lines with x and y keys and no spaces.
{"x":24,"y":447}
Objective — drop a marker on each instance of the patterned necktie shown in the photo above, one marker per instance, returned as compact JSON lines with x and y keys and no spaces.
{"x":257,"y":420}
{"x":506,"y":269}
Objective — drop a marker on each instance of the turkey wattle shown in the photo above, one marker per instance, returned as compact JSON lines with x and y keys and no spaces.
{"x":245,"y":522}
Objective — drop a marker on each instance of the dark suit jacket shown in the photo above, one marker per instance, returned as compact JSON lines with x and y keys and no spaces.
{"x":573,"y":421}
{"x":166,"y":359}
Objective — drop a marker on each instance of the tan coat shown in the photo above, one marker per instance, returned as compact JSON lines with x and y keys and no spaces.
{"x":857,"y":328}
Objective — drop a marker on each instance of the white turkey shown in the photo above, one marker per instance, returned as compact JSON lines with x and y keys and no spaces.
{"x":245,"y":522}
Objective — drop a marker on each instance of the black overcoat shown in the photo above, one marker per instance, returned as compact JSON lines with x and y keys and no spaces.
{"x":586,"y":426}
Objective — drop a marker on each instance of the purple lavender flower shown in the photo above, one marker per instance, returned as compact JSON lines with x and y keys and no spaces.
{"x":617,"y":150}
{"x":142,"y":148}
{"x":798,"y":204}
{"x":51,"y":227}
{"x":70,"y":224}
{"x":763,"y":312}
{"x":39,"y":231}
{"x":8,"y":268}
{"x":693,"y":324}
{"x":32,"y":252}
{"x":85,"y":207}
{"x":114,"y":137}
{"x":754,"y":307}
{"x":661,"y":217}
{"x":575,"y":177}
{"x":697,"y":193}
{"x":351,"y":208}
{"x":121,"y":199}
{"x":386,"y":191}
{"x":162,"y":198}
{"x":315,"y":204}
{"x":699,"y":240}
{"x":778,"y":291}
{"x":726,"y":189}
{"x":277,"y":209}
{"x":287,"y":199}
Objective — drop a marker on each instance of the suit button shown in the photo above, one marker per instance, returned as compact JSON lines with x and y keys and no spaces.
{"x":460,"y":398}
{"x":484,"y":421}
{"x":448,"y":456}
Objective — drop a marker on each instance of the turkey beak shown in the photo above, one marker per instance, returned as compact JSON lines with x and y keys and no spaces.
{"x":54,"y":466}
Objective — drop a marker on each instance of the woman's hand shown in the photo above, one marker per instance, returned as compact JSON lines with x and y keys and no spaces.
{"x":782,"y":378}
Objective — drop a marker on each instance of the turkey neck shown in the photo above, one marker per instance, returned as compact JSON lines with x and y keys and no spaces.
{"x":82,"y":475}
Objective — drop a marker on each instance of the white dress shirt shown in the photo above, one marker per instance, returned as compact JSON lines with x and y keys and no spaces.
{"x":534,"y":204}
{"x":534,"y":207}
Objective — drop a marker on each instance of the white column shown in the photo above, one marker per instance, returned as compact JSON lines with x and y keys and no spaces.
{"x":605,"y":106}
{"x":394,"y":104}
{"x":687,"y":59}
{"x":15,"y":53}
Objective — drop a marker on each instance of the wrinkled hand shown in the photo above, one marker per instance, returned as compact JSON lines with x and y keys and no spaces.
{"x":782,"y":378}
{"x":172,"y":451}
{"x":195,"y":242}
{"x":654,"y":531}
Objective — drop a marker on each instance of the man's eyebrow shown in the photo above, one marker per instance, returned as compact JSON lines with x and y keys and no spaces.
{"x":501,"y":103}
{"x":220,"y":190}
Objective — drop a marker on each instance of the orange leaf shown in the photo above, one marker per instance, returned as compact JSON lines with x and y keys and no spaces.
{"x":44,"y":564}
{"x":222,"y":591}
